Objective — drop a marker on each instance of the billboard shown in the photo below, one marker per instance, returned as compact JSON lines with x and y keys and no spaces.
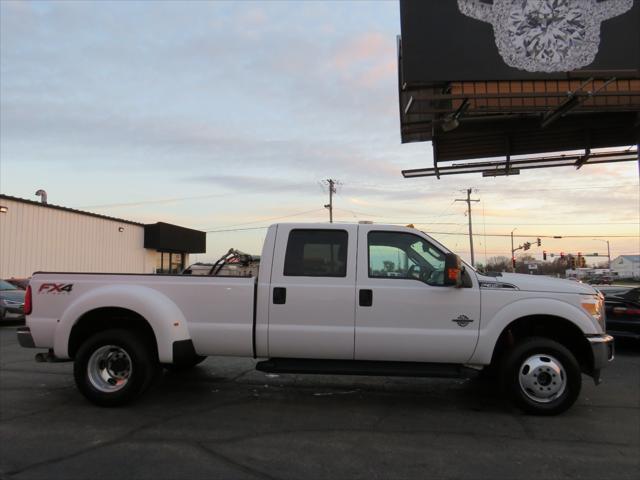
{"x":471,"y":40}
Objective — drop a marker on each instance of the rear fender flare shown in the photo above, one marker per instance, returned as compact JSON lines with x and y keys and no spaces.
{"x":162,"y":314}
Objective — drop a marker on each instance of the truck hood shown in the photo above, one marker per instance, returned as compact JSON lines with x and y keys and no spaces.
{"x":539,"y":283}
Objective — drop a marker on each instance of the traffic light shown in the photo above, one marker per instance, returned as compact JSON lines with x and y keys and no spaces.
{"x":544,"y":254}
{"x":579,"y":261}
{"x":561,"y":255}
{"x":513,"y":262}
{"x":539,"y":241}
{"x":526,"y":246}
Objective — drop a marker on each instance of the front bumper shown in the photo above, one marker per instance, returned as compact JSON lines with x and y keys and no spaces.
{"x":603,"y":352}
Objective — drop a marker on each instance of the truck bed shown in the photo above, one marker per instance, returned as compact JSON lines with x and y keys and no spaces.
{"x":218,"y":311}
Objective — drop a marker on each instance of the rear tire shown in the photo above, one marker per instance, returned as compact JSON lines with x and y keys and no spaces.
{"x":541,"y":376}
{"x":113,"y":367}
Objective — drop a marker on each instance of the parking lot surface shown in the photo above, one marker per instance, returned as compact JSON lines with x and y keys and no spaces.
{"x":225,"y":420}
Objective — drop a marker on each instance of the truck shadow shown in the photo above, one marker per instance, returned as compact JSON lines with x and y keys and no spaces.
{"x":204,"y":383}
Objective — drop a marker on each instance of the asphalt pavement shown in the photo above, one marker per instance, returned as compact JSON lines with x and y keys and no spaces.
{"x":225,"y":420}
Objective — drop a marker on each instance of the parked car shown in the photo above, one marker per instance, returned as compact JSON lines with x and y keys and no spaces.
{"x":21,"y":283}
{"x":623,"y":313}
{"x":358,"y":299}
{"x":608,"y":290}
{"x":11,"y":303}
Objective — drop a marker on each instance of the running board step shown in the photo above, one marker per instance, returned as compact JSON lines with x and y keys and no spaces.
{"x":362,"y":367}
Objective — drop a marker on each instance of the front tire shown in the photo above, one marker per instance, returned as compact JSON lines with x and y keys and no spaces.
{"x":541,"y":376}
{"x":113,"y":367}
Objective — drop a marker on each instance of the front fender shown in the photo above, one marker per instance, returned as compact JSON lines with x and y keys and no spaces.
{"x":491,"y":329}
{"x":162,"y":314}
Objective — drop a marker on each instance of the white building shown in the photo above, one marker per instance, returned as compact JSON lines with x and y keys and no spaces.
{"x":36,"y":236}
{"x":626,"y":266}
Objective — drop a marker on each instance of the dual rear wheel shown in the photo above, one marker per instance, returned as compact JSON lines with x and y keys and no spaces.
{"x":113,"y":367}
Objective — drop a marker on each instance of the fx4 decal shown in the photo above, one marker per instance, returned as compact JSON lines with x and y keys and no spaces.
{"x":55,"y":288}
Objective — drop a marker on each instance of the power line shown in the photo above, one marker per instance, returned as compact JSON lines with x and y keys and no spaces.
{"x":427,"y":221}
{"x":150,"y":202}
{"x":463,"y":233}
{"x":237,"y":229}
{"x":264,"y":220}
{"x":557,"y":237}
{"x":581,"y":187}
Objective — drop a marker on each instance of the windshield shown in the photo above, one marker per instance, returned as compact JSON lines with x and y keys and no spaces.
{"x":6,"y":286}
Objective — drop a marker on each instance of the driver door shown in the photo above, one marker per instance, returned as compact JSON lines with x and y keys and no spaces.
{"x":403,"y":311}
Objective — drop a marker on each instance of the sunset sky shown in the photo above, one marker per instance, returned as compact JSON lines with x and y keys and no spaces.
{"x":226,"y":116}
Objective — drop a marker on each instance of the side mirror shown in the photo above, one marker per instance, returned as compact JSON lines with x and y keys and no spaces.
{"x":452,"y":270}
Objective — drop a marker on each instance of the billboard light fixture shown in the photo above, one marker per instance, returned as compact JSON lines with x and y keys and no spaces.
{"x":510,"y":167}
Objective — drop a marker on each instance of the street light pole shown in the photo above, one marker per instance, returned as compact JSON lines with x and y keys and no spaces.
{"x":608,"y":251}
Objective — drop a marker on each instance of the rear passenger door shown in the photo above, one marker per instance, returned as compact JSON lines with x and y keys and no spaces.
{"x":312,"y":298}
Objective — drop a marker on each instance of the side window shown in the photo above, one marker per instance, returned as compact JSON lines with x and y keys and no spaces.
{"x":404,"y":255}
{"x":316,"y":253}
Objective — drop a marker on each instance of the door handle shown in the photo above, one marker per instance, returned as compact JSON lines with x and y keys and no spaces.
{"x":279,"y":295}
{"x":366,"y":298}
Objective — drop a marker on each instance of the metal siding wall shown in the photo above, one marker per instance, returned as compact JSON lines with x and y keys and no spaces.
{"x":36,"y":238}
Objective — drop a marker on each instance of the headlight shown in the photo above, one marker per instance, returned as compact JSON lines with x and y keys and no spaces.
{"x":594,"y":306}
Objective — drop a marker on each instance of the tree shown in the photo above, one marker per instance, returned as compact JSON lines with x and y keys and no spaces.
{"x":498,"y":264}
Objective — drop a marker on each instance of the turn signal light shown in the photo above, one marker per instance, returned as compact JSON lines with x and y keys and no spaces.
{"x":27,"y":301}
{"x":592,"y":308}
{"x":452,"y":273}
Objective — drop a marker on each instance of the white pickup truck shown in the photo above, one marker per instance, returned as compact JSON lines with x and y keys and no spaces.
{"x":329,"y":298}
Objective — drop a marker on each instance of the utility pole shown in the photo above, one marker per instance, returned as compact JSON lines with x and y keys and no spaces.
{"x":332,"y":190}
{"x":469,"y":200}
{"x":512,"y":260}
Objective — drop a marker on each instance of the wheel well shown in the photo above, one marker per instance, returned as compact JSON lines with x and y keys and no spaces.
{"x":555,"y":328}
{"x":107,"y":318}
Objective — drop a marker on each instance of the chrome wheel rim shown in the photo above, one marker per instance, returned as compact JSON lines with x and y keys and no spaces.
{"x":542,"y":378}
{"x":109,"y":368}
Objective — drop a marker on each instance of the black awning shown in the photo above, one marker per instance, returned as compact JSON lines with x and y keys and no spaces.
{"x":172,"y":238}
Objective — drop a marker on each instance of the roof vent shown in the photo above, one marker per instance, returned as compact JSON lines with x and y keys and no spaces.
{"x":43,"y":196}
